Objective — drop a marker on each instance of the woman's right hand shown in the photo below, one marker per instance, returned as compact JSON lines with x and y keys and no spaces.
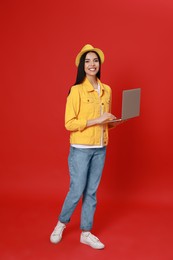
{"x":106,"y":118}
{"x":103,"y":119}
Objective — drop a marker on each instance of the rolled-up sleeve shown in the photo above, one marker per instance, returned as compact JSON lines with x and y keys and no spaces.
{"x":72,"y":122}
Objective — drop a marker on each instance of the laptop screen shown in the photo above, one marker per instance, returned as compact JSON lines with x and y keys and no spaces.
{"x":131,"y":103}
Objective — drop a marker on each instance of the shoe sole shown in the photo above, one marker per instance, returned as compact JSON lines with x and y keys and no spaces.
{"x":85,"y":243}
{"x":55,"y":242}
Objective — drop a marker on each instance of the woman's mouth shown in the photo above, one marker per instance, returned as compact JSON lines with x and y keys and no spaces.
{"x":92,"y":69}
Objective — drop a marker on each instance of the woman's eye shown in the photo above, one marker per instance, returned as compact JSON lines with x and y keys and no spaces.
{"x":95,"y":60}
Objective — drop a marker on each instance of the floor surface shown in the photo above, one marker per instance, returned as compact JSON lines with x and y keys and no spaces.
{"x":129,"y":232}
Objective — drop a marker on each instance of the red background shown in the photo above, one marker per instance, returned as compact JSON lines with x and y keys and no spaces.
{"x":39,"y":43}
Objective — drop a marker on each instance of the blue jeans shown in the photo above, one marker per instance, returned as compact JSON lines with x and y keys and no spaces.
{"x":85,"y":167}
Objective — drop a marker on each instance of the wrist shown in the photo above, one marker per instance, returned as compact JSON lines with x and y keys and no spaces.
{"x":97,"y":121}
{"x":92,"y":122}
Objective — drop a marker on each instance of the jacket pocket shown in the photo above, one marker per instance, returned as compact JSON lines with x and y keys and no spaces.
{"x":107,"y":104}
{"x":87,"y":107}
{"x":88,"y":100}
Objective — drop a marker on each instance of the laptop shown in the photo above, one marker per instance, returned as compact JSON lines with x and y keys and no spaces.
{"x":130,"y":104}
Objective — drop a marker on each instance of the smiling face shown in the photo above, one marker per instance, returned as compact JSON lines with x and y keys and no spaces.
{"x":92,"y":64}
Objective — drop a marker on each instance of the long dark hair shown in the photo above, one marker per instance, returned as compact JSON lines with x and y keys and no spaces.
{"x":81,"y":72}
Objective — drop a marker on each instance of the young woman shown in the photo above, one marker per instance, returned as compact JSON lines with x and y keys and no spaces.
{"x":88,"y":118}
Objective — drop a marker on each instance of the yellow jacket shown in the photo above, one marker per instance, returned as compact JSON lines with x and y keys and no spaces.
{"x":84,"y":103}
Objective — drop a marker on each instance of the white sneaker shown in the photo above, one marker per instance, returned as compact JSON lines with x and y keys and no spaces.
{"x":56,"y":235}
{"x":89,"y":239}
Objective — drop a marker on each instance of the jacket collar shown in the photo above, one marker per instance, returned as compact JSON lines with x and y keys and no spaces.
{"x":90,"y":88}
